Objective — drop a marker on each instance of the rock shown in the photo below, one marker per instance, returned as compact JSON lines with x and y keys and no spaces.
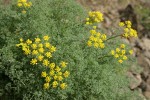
{"x":147,"y":87}
{"x":147,"y":54}
{"x":107,"y":22}
{"x":146,"y":43}
{"x":139,"y":45}
{"x":135,"y":80}
{"x":148,"y":62}
{"x":147,"y":94}
{"x":148,"y":83}
{"x":144,"y":62}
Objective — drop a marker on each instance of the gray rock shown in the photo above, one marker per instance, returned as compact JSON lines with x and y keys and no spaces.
{"x":135,"y":80}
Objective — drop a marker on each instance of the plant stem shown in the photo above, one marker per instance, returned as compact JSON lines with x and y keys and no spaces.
{"x":113,"y":37}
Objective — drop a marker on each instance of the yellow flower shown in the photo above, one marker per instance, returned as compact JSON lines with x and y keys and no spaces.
{"x":112,"y":52}
{"x":98,"y":34}
{"x":123,"y":52}
{"x":53,"y":49}
{"x":55,"y":77}
{"x":41,"y":50}
{"x":66,"y":74}
{"x":23,"y":1}
{"x":52,"y":65}
{"x":103,"y":37}
{"x":128,"y":26}
{"x":95,"y":39}
{"x":43,"y":74}
{"x":120,"y":61}
{"x":40,"y":45}
{"x":47,"y":79}
{"x":96,"y":45}
{"x":91,"y":38}
{"x":59,"y":73}
{"x":46,"y":37}
{"x":131,"y":52}
{"x":89,"y":43}
{"x":48,"y":54}
{"x":100,"y":40}
{"x":126,"y":35}
{"x":122,"y":46}
{"x":25,"y":4}
{"x":24,"y":48}
{"x":29,"y":4}
{"x":34,"y":52}
{"x":21,"y":40}
{"x":20,"y":44}
{"x":57,"y":69}
{"x":63,"y":85}
{"x":34,"y":46}
{"x":131,"y":34}
{"x":101,"y":45}
{"x":28,"y":41}
{"x":87,"y":19}
{"x":60,"y":78}
{"x":87,"y":23}
{"x":45,"y":62}
{"x":117,"y":50}
{"x":40,"y":57}
{"x":52,"y":73}
{"x":37,"y":40}
{"x":24,"y":12}
{"x":116,"y":55}
{"x":94,"y":17}
{"x":126,"y":30}
{"x":27,"y":51}
{"x":55,"y":84}
{"x":121,"y":24}
{"x":33,"y":61}
{"x":93,"y":32}
{"x":63,"y":64}
{"x":46,"y":86}
{"x":19,"y":4}
{"x":125,"y":58}
{"x":47,"y":45}
{"x":128,"y":22}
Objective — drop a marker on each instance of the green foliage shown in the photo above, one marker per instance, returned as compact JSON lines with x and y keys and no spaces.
{"x":90,"y":78}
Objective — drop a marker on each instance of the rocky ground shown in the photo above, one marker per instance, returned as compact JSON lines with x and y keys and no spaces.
{"x":137,"y":11}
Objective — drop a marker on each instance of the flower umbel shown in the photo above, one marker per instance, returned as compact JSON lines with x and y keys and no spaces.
{"x":94,"y":17}
{"x":128,"y":30}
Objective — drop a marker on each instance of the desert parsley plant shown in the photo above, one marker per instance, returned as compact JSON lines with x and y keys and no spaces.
{"x":55,"y":55}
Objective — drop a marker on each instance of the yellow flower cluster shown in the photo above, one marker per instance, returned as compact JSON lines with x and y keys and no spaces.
{"x":94,"y":17}
{"x":40,"y":49}
{"x":120,"y":53}
{"x":24,"y":4}
{"x":96,"y":39}
{"x":55,"y":76}
{"x":128,"y":30}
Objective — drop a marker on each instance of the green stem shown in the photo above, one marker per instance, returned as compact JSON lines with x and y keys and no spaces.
{"x":113,"y":37}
